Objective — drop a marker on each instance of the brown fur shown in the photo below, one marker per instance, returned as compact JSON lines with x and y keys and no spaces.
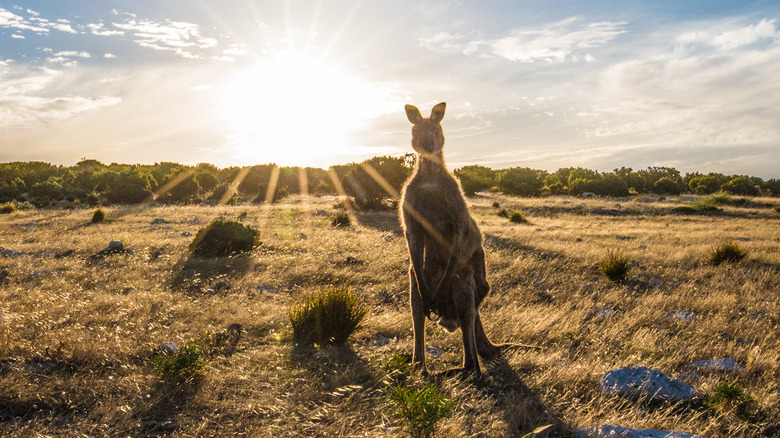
{"x":447,"y":269}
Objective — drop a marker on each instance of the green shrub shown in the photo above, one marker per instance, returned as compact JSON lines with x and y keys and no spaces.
{"x":503,"y":213}
{"x":184,"y":364}
{"x":222,"y":238}
{"x":327,"y":317}
{"x":727,"y":252}
{"x":98,"y":216}
{"x":341,"y":220}
{"x":518,"y":218}
{"x":7,"y":208}
{"x":616,"y":266}
{"x":733,"y":398}
{"x":397,"y":369}
{"x":420,"y":410}
{"x":496,"y":205}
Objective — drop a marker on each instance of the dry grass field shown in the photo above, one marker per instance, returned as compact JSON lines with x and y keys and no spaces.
{"x":78,"y":332}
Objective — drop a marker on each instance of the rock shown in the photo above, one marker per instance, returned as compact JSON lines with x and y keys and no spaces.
{"x":607,"y":212}
{"x":646,"y":383}
{"x":743,"y":239}
{"x":9,"y":253}
{"x":381,"y":341}
{"x":66,"y":253}
{"x":586,"y":287}
{"x":186,"y":234}
{"x":267,"y":288}
{"x":159,"y":221}
{"x":115,"y":246}
{"x":680,"y":315}
{"x":619,"y":237}
{"x":320,"y":213}
{"x":543,"y":296}
{"x":725,"y":364}
{"x":626,"y":432}
{"x":605,"y":313}
{"x":30,"y":240}
{"x":169,"y":348}
{"x":434,"y":351}
{"x":642,"y":246}
{"x":587,"y":195}
{"x":221,"y":286}
{"x":42,"y":273}
{"x":353,"y":261}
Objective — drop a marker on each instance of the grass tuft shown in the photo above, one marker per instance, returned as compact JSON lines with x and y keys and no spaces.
{"x":727,"y":253}
{"x":7,"y":208}
{"x":182,"y":365}
{"x":341,"y":220}
{"x":732,"y":398}
{"x":518,"y":218}
{"x":327,"y":317}
{"x":98,"y":216}
{"x":420,"y":410}
{"x":616,"y":266}
{"x":223,"y":238}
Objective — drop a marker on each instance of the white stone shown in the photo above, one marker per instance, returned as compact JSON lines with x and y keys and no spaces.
{"x":725,"y":364}
{"x":625,"y":432}
{"x":643,"y":382}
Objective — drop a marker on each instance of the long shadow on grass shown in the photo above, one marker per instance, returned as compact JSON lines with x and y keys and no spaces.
{"x":514,"y":245}
{"x":381,"y":220}
{"x":167,"y":399}
{"x":523,"y":409}
{"x":195,"y":274}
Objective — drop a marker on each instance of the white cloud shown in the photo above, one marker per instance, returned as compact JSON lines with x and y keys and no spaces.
{"x":17,"y":36}
{"x":25,"y":98}
{"x":236,"y":50}
{"x":555,"y":42}
{"x":109,"y":55}
{"x":180,"y":37}
{"x":73,"y":53}
{"x":726,"y":37}
{"x":702,"y":97}
{"x":101,"y":30}
{"x":34,"y":23}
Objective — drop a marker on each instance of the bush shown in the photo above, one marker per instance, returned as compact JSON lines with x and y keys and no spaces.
{"x":222,"y":238}
{"x":727,"y":252}
{"x":341,"y":220}
{"x":7,"y":208}
{"x":733,"y":398}
{"x":397,"y":369}
{"x":182,"y":365}
{"x":327,"y":317}
{"x":420,"y":410}
{"x":741,"y":185}
{"x":503,"y":213}
{"x":98,"y":216}
{"x":372,"y":181}
{"x":616,"y":266}
{"x":496,"y":205}
{"x":666,"y":186}
{"x":518,"y":218}
{"x":475,"y":178}
{"x":521,"y":181}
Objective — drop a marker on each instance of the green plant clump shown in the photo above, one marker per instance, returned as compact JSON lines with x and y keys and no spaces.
{"x":616,"y":266}
{"x":7,"y":208}
{"x":341,"y":220}
{"x":503,"y":213}
{"x":223,"y":238}
{"x":98,"y":216}
{"x":420,"y":410}
{"x":733,"y":398}
{"x":727,"y":252}
{"x":327,"y":317}
{"x":184,"y":364}
{"x":518,"y":218}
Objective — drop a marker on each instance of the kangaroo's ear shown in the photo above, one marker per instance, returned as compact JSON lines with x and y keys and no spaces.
{"x":413,"y":114}
{"x":437,"y":113}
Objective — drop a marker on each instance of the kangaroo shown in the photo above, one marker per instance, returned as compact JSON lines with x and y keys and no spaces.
{"x":447,"y":271}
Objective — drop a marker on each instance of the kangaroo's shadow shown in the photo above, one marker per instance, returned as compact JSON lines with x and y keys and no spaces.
{"x":523,"y":409}
{"x":491,"y":240}
{"x":382,"y":220}
{"x":196,"y":274}
{"x":167,"y":399}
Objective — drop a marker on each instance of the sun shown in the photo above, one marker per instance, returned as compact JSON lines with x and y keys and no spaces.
{"x":293,"y":109}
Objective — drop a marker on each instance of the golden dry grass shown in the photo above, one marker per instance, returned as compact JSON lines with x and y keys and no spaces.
{"x":77,"y":332}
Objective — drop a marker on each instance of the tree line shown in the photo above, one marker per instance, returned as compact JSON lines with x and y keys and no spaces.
{"x":370,"y":182}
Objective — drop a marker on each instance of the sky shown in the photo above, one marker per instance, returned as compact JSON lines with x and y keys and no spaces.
{"x":540,"y":84}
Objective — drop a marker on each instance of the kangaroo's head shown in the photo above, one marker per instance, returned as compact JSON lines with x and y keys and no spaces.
{"x":427,"y":136}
